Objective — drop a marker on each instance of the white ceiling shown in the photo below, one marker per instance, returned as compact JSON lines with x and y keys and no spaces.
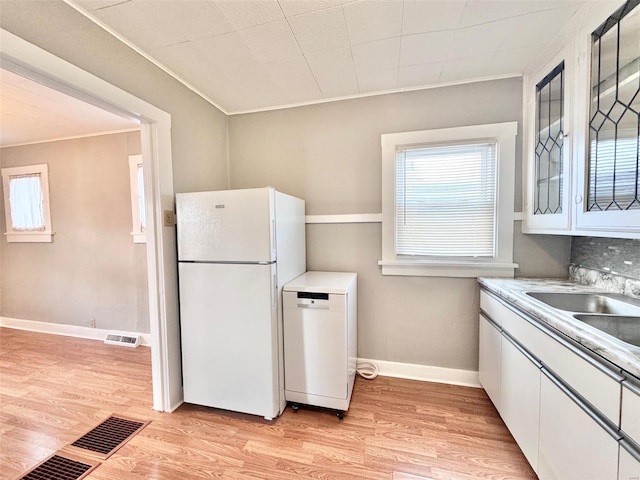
{"x":247,"y":55}
{"x":31,"y":112}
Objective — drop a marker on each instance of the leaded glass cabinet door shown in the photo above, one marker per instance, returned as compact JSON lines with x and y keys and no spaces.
{"x":548,"y":147}
{"x":611,"y":189}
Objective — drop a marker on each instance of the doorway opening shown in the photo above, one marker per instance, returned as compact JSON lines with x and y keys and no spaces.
{"x":29,"y":61}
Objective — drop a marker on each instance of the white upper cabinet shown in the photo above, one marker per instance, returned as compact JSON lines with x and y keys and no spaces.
{"x":547,"y":144}
{"x":582,"y":118}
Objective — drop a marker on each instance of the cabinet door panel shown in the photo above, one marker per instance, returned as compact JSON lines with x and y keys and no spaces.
{"x":630,"y":418}
{"x":629,"y":466}
{"x":548,"y":146}
{"x":489,"y":362}
{"x":572,"y":445}
{"x":520,"y":399}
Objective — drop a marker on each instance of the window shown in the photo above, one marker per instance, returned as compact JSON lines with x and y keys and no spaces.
{"x":26,"y":199}
{"x":138,"y":215}
{"x":447,"y":201}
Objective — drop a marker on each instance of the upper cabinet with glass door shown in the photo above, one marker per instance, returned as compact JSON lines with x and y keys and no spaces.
{"x":582,"y":130}
{"x":548,"y":114}
{"x":608,"y":183}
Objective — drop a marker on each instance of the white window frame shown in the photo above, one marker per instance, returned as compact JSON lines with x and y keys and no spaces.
{"x":137,"y":232}
{"x":501,"y":265}
{"x":34,"y":236}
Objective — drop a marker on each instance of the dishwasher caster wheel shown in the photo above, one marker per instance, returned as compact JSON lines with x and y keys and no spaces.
{"x":295,"y":407}
{"x":340,"y":415}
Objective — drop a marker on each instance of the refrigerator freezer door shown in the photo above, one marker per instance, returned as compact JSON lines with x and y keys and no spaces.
{"x":229,"y":337}
{"x":226,"y":226}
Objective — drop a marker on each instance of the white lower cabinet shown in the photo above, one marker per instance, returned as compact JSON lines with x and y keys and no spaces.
{"x":629,"y":465}
{"x":489,"y":367}
{"x":630,"y":418}
{"x":572,"y":444}
{"x":561,"y":405}
{"x":520,"y":399}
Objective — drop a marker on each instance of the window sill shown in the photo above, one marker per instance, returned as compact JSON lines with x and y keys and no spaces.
{"x":29,"y":237}
{"x":426,"y":268}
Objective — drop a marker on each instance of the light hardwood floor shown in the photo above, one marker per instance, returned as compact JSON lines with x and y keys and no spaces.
{"x":53,"y":389}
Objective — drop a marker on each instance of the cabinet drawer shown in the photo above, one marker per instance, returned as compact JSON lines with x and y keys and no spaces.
{"x":630,"y":417}
{"x":492,"y":307}
{"x":599,"y":388}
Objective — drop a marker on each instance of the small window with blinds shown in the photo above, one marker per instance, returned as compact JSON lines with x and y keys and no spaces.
{"x":447,"y":201}
{"x":138,"y":214}
{"x":26,"y":199}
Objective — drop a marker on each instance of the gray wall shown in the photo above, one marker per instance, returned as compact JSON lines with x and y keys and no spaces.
{"x":329,"y":154}
{"x":92,"y":269}
{"x":198,"y":130}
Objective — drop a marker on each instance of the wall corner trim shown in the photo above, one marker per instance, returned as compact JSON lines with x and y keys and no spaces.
{"x":426,"y":373}
{"x":67,"y":330}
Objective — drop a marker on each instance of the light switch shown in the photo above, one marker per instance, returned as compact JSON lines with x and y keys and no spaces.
{"x":169,"y":218}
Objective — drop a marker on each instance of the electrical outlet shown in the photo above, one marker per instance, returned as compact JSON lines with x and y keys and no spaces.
{"x":169,"y":218}
{"x":92,"y":322}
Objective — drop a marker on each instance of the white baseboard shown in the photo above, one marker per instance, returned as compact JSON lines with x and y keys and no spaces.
{"x":426,"y":373}
{"x":411,"y":371}
{"x":67,"y":330}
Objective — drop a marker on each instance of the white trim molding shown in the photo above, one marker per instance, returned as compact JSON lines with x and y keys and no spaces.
{"x":367,"y":218}
{"x":501,"y":262}
{"x":346,"y":218}
{"x":425,"y":373}
{"x":68,"y":330}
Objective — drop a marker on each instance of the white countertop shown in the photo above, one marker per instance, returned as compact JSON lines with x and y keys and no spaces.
{"x":322,"y":282}
{"x":625,"y":356}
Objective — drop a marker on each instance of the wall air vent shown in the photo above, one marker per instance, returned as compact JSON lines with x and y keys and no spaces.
{"x":123,"y":340}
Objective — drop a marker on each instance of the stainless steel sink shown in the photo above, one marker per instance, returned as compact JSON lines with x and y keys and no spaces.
{"x":589,"y":303}
{"x":623,"y":328}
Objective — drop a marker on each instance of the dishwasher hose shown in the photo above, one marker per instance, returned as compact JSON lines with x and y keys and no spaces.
{"x":367,"y":370}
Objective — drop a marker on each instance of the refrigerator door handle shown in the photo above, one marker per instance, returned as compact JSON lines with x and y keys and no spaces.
{"x":275,"y":291}
{"x":273,"y":239}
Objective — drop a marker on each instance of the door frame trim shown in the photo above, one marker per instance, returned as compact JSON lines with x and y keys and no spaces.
{"x":26,"y":59}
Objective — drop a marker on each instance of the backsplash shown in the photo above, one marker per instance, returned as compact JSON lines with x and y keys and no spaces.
{"x":619,"y":256}
{"x":609,"y":263}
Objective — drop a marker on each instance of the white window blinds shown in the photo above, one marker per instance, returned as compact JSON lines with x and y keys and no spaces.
{"x":446,"y":200}
{"x":138,"y":214}
{"x":26,"y":203}
{"x":614,"y":183}
{"x":140,"y":195}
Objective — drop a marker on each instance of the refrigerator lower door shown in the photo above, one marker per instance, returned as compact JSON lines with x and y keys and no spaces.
{"x":230,"y":337}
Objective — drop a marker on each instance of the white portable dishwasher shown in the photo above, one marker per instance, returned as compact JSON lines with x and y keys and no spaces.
{"x":320,"y":339}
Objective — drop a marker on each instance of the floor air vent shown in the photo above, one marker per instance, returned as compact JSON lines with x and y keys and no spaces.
{"x":60,"y":468}
{"x":124,"y":340}
{"x":105,"y":439}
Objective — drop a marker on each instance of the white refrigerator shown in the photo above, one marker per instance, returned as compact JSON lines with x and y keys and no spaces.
{"x":236,"y":250}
